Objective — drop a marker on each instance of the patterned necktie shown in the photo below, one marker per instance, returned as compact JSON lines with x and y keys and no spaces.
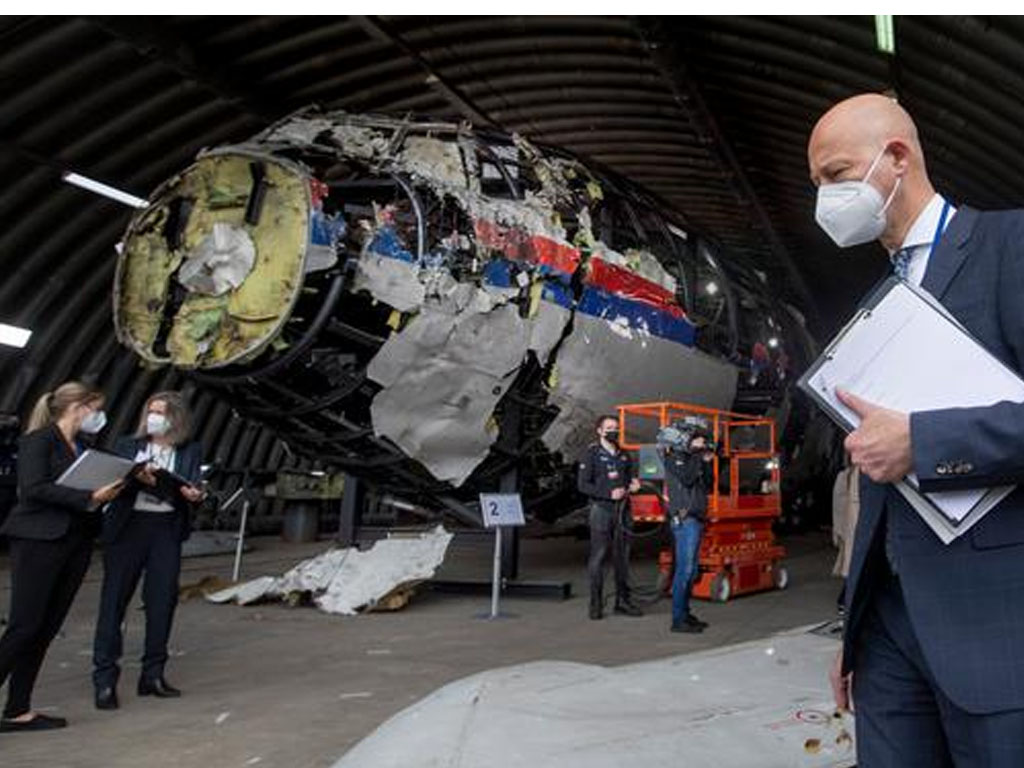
{"x":901,"y":262}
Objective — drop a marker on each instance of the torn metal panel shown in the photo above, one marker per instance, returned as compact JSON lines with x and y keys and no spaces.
{"x":547,"y":327}
{"x":300,"y":131}
{"x":434,"y":161}
{"x":764,"y":703}
{"x":443,"y":375}
{"x":390,"y":280}
{"x":596,"y":371}
{"x":440,"y":414}
{"x":343,"y":581}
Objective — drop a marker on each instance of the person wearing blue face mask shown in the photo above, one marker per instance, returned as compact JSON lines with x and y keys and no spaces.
{"x":51,"y":530}
{"x":932,"y":643}
{"x":142,"y":534}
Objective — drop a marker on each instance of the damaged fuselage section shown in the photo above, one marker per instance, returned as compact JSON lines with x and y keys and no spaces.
{"x":418,"y":303}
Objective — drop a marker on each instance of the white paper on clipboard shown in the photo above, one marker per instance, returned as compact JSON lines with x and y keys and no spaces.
{"x":906,"y":352}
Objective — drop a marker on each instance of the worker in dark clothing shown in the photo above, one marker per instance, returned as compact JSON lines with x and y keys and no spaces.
{"x":687,"y":455}
{"x":606,"y":477}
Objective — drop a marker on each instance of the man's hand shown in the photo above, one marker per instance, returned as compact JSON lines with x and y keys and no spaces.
{"x":618,"y":493}
{"x":880,"y":446}
{"x":842,"y":684}
{"x":634,"y":485}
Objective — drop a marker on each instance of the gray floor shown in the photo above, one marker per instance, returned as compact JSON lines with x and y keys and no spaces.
{"x":273,"y":686}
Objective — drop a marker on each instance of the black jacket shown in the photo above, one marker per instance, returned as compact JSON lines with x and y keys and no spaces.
{"x":46,"y":510}
{"x":601,"y":472}
{"x":187,"y":459}
{"x":686,"y":475}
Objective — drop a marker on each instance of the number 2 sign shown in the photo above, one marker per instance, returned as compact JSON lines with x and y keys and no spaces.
{"x":501,"y":509}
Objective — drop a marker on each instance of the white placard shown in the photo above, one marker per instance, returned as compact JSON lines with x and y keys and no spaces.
{"x":501,"y":509}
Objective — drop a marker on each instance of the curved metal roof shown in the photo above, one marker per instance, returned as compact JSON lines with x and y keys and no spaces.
{"x":710,"y":113}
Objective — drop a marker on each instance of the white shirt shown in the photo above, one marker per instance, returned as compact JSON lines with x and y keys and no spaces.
{"x":162,"y":457}
{"x":920,"y":235}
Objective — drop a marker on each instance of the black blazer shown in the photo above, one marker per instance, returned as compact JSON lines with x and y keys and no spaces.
{"x":45,"y":510}
{"x":187,"y":459}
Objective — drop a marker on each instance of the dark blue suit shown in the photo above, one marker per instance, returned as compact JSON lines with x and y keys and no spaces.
{"x":946,"y":634}
{"x":137,"y":542}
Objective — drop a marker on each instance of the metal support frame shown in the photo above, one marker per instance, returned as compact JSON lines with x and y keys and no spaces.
{"x":380,"y":30}
{"x":351,"y":511}
{"x":244,"y":492}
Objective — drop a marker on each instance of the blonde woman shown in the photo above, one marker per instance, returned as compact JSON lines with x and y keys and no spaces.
{"x":51,"y":530}
{"x":142,"y":534}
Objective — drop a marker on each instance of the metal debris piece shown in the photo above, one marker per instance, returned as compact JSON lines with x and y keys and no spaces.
{"x":391,"y":281}
{"x":346,"y":580}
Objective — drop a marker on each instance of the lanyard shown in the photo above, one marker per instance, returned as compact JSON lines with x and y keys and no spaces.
{"x":939,"y":229}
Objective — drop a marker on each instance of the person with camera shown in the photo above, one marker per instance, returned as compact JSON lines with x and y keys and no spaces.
{"x":606,"y":477}
{"x":687,"y":460}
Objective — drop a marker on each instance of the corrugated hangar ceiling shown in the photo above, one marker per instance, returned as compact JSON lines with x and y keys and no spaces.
{"x":710,"y":113}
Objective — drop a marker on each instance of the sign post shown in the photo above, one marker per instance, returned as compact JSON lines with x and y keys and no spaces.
{"x":497,"y":510}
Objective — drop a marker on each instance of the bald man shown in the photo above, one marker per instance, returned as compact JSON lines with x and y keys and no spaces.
{"x":933,"y":652}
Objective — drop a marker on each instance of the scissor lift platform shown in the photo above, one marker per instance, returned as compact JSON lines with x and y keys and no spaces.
{"x":739,"y":552}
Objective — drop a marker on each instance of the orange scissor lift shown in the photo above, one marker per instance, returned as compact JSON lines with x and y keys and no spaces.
{"x":738,"y":552}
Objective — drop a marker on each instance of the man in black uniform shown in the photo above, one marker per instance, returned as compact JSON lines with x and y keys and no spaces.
{"x":605,"y":476}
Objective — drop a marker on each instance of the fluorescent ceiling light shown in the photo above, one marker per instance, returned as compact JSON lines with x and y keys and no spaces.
{"x":885,"y":35}
{"x":13,"y":336}
{"x":102,"y":189}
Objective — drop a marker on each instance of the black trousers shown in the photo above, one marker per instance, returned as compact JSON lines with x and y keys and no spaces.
{"x":904,"y":720}
{"x":609,"y":537}
{"x":45,"y":577}
{"x":150,"y":542}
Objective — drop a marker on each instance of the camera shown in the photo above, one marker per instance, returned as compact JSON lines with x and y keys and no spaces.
{"x":680,"y":434}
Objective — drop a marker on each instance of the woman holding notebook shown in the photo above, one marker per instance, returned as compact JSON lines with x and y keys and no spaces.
{"x":142,"y":534}
{"x":51,"y":531}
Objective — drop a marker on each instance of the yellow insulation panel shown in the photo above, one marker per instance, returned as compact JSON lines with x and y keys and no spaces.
{"x":212,"y":331}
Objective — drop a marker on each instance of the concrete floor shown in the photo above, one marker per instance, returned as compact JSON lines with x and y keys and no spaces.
{"x":295,"y":688}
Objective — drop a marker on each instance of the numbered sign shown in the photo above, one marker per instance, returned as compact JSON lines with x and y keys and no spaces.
{"x":501,"y":509}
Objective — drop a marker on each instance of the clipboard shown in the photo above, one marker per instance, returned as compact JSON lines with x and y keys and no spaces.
{"x":94,"y":469}
{"x":168,"y":485}
{"x":881,"y":334}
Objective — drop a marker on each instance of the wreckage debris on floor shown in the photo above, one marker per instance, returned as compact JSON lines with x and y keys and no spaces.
{"x":347,"y":580}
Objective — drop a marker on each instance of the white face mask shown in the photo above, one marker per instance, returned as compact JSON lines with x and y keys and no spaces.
{"x":157,"y":424}
{"x":93,"y":422}
{"x":853,"y":212}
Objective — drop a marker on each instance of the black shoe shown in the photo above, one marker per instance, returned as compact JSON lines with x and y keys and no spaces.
{"x":158,"y":687}
{"x":684,"y":626}
{"x":628,"y":609}
{"x":40,"y":722}
{"x":695,"y":622}
{"x":106,"y":698}
{"x":596,"y":613}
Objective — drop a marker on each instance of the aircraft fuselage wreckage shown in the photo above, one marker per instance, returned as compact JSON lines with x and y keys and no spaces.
{"x":422,"y":304}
